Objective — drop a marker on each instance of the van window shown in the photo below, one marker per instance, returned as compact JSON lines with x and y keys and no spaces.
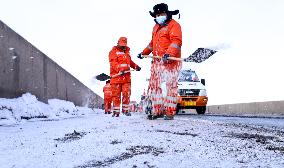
{"x":188,"y":76}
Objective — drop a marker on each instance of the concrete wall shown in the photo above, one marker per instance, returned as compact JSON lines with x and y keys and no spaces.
{"x":271,"y":108}
{"x":23,"y":68}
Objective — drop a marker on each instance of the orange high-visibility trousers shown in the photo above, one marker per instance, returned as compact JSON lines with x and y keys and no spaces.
{"x":107,"y":97}
{"x":155,"y":90}
{"x":170,"y":75}
{"x":119,"y":89}
{"x":107,"y":104}
{"x":164,"y":103}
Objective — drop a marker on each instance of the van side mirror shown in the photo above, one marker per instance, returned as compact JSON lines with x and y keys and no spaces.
{"x":203,"y":81}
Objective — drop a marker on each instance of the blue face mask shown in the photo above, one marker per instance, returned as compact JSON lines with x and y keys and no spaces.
{"x":161,"y":19}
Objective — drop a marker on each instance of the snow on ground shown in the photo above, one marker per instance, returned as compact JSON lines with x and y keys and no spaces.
{"x":98,"y":140}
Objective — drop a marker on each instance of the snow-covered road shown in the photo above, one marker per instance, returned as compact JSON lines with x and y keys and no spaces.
{"x":277,"y":122}
{"x":103,"y":141}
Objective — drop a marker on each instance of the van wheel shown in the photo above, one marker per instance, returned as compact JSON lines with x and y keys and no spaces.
{"x":201,"y":110}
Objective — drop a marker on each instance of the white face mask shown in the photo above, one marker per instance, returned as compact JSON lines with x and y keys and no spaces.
{"x":161,"y":19}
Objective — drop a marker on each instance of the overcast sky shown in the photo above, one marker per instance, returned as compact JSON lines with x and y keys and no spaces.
{"x":78,"y":35}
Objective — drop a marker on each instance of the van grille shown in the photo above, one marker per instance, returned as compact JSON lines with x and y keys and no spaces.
{"x":189,"y":92}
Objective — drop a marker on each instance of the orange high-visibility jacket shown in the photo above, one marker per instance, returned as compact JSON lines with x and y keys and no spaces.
{"x":120,"y":61}
{"x":107,"y":91}
{"x":165,"y":40}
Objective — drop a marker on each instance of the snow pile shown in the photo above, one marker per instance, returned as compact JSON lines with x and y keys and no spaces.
{"x":62,"y":107}
{"x":28,"y":107}
{"x":25,"y":107}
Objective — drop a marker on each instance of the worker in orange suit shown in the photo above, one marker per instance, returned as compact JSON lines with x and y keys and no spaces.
{"x":120,"y":62}
{"x":166,"y":42}
{"x":107,"y":97}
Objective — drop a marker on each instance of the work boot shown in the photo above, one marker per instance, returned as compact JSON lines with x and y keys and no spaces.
{"x":168,"y":117}
{"x":158,"y":116}
{"x":115,"y":115}
{"x":150,"y":117}
{"x":154,"y":117}
{"x":109,"y":112}
{"x":128,"y":114}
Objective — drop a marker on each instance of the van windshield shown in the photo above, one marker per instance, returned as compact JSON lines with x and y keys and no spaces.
{"x":188,"y":76}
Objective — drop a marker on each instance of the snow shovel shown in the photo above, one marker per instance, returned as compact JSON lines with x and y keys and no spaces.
{"x":199,"y":55}
{"x":104,"y":77}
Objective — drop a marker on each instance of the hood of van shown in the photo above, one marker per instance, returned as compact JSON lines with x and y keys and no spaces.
{"x":190,"y":85}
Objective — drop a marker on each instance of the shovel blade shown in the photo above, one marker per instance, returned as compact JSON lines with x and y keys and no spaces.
{"x":102,"y":77}
{"x":200,"y":55}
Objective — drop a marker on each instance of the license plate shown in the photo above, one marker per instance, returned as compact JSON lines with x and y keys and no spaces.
{"x":190,"y":103}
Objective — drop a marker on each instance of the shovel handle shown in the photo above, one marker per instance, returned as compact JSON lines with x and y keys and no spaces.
{"x":121,"y":73}
{"x":170,"y":58}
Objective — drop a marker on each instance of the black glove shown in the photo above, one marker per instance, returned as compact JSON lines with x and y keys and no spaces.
{"x":165,"y":57}
{"x":138,"y":68}
{"x":140,"y":56}
{"x":122,"y":72}
{"x":166,"y":60}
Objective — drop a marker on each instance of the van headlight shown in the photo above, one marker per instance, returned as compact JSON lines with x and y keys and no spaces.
{"x":202,"y":92}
